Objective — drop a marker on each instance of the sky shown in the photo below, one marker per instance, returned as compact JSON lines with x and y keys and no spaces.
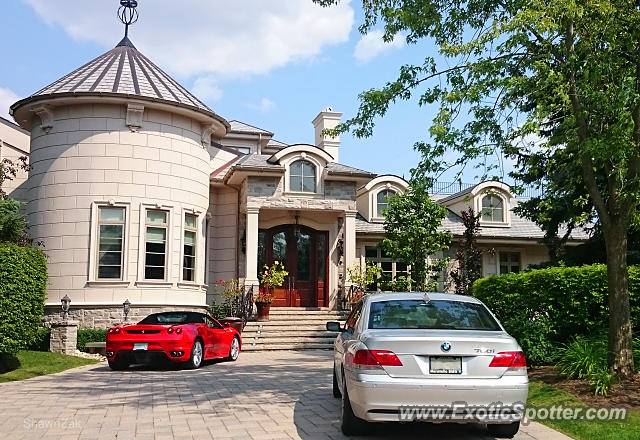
{"x":274,"y":64}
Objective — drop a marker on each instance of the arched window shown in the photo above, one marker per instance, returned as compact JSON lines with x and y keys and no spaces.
{"x":492,"y":209}
{"x":302,"y":176}
{"x":382,"y":201}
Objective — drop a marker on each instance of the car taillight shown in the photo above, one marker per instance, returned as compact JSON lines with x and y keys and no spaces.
{"x":170,"y":330}
{"x":114,"y":330}
{"x":509,"y":359}
{"x":375,"y":358}
{"x":178,"y":330}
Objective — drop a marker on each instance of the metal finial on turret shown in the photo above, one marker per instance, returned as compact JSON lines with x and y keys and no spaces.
{"x":127,"y":14}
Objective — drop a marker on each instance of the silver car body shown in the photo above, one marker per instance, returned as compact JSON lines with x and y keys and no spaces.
{"x":379,"y":394}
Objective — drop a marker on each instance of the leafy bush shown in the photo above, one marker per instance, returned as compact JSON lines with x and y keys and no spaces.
{"x":23,"y":283}
{"x":87,"y":335}
{"x":41,"y":340}
{"x":12,"y":223}
{"x":574,"y":299}
{"x":218,"y":311}
{"x":535,"y":335}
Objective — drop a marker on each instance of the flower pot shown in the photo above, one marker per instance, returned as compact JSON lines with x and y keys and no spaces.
{"x":263,"y":310}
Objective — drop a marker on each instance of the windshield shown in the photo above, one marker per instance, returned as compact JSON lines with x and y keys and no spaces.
{"x":172,"y":318}
{"x":435,"y":315}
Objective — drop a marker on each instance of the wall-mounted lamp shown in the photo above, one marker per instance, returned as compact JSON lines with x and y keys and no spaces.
{"x":243,"y":242}
{"x":340,"y":247}
{"x":296,"y":230}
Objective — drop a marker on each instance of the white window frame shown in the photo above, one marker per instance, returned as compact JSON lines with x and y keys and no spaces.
{"x":393,"y":192}
{"x":379,"y":259}
{"x":319,"y":187}
{"x":506,"y":209}
{"x":142,"y":241}
{"x":94,"y":243}
{"x":196,"y":257}
{"x":303,"y":176}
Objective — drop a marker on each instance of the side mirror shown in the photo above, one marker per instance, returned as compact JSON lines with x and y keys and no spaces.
{"x":334,"y":326}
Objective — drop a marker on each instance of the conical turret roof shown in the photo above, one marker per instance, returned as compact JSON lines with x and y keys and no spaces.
{"x":122,"y":72}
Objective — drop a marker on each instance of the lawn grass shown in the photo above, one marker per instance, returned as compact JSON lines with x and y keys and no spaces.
{"x":541,"y":394}
{"x":29,"y":364}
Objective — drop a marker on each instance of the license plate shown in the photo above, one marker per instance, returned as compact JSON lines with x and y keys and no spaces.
{"x":445,"y":365}
{"x":140,"y":346}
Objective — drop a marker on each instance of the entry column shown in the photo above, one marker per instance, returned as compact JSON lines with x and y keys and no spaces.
{"x":349,"y":240}
{"x":252,"y":247}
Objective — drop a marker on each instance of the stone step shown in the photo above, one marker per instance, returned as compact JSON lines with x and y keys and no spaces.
{"x":290,"y":318}
{"x":288,"y":340}
{"x":280,"y":311}
{"x":306,"y":346}
{"x":246,"y":335}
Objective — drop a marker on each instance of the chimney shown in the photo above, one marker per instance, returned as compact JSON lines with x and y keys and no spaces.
{"x":327,"y":119}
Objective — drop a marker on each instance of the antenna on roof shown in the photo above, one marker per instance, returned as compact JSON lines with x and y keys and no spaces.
{"x":127,"y":14}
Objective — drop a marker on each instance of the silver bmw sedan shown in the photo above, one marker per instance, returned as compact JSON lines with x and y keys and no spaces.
{"x":432,"y":357}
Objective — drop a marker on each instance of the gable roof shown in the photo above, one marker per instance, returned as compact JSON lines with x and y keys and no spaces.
{"x":241,"y":127}
{"x":521,"y":228}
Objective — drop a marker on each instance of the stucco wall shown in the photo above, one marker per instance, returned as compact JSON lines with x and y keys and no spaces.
{"x":89,"y":156}
{"x":14,"y":143}
{"x":224,"y":237}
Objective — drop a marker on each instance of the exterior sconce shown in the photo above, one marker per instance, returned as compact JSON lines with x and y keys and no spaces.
{"x":340,"y":247}
{"x":65,"y":307}
{"x":243,"y":242}
{"x":126,"y":308}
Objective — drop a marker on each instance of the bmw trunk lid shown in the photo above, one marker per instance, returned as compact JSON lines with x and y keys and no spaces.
{"x":442,"y":354}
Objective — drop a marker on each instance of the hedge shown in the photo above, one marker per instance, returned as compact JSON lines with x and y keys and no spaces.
{"x":23,"y":284}
{"x":90,"y":335}
{"x":546,"y":307}
{"x":41,"y":342}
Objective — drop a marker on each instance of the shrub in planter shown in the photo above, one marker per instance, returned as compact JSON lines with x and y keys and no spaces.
{"x":23,"y":282}
{"x":87,"y":335}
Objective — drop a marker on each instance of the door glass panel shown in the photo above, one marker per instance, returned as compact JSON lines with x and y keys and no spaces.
{"x":280,"y":247}
{"x":322,"y":257}
{"x":304,"y":256}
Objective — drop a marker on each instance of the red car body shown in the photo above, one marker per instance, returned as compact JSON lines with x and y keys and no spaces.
{"x":180,"y":337}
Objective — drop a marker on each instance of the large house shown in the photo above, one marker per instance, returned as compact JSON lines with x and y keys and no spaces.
{"x":139,"y":191}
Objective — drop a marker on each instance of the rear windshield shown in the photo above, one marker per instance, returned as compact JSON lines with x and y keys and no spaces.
{"x":173,"y":318}
{"x":436,"y":315}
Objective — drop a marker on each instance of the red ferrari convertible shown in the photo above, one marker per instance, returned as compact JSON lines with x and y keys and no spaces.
{"x":180,"y":337}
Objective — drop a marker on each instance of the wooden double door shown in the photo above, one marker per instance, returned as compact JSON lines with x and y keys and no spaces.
{"x":304,"y":252}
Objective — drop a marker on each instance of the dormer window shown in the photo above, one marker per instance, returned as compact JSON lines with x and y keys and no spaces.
{"x":492,"y":208}
{"x":382,"y":203}
{"x":302,"y":176}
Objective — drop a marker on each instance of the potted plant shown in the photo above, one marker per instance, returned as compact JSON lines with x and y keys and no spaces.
{"x":361,"y":277}
{"x":269,"y":278}
{"x":230,"y":291}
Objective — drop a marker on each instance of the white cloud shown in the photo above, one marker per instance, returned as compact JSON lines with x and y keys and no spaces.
{"x":7,"y":97}
{"x":372,"y":45}
{"x":206,"y":87}
{"x":200,"y":37}
{"x":263,"y":106}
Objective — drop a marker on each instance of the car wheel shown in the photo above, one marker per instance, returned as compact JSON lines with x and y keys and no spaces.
{"x":234,"y":349}
{"x":197,"y":355}
{"x":336,"y":388}
{"x":118,"y":365}
{"x":351,"y":425}
{"x":504,"y":431}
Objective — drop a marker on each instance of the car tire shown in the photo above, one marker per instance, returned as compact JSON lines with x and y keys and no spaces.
{"x":118,"y":365}
{"x":350,"y":424}
{"x":336,"y":389}
{"x":504,"y":431}
{"x":234,"y":349}
{"x":197,"y":355}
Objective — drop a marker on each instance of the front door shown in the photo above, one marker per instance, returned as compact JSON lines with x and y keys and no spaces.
{"x":304,"y":254}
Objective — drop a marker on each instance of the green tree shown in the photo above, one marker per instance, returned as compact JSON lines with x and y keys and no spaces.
{"x":468,"y":255}
{"x":553,"y":85}
{"x":13,"y":225}
{"x":412,"y":234}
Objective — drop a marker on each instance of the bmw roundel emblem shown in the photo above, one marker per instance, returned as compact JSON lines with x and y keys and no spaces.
{"x":445,"y":346}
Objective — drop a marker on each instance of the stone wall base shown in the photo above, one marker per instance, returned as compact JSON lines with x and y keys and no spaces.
{"x":105,"y":316}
